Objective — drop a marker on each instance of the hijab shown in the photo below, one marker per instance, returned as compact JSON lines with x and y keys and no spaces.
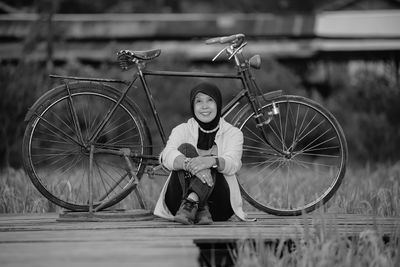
{"x":206,"y":138}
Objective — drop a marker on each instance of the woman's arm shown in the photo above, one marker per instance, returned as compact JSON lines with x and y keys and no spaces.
{"x":179,"y":162}
{"x":231,"y":151}
{"x":170,"y":153}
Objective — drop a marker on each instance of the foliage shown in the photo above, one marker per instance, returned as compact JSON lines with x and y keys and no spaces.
{"x":17,"y":95}
{"x":369,"y":112}
{"x":178,"y":6}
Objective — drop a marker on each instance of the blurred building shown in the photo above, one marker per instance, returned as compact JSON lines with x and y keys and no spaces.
{"x":342,"y":30}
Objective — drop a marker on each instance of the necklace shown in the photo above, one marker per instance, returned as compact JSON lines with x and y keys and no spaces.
{"x":210,"y":131}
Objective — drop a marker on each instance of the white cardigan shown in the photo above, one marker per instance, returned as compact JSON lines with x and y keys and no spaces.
{"x":229,"y":141}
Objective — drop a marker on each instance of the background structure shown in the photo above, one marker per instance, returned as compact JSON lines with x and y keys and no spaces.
{"x":344,"y":54}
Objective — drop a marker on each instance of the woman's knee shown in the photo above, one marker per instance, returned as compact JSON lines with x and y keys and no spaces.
{"x":188,"y":150}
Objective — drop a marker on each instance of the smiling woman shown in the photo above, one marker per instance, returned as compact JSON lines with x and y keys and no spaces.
{"x":205,"y":108}
{"x":203,"y":155}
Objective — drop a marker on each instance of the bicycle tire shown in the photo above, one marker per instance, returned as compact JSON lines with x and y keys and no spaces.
{"x":58,"y":165}
{"x":309,"y":172}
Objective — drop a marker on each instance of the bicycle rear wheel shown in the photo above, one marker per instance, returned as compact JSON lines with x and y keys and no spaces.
{"x":56,"y":150}
{"x":309,"y":166}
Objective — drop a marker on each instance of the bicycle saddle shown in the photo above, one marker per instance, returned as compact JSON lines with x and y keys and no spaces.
{"x":142,"y":55}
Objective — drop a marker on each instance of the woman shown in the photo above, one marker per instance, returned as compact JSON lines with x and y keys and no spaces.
{"x":203,"y":154}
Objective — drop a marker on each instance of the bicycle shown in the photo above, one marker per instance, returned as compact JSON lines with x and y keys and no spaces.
{"x":89,"y":157}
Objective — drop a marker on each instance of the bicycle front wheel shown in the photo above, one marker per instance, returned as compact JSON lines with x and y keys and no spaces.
{"x":302,"y":165}
{"x":56,"y":147}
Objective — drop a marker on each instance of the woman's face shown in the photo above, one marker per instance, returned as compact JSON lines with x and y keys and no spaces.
{"x":205,"y":108}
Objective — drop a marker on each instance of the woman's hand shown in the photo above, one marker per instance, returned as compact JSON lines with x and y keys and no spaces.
{"x":200,"y":163}
{"x":205,"y":177}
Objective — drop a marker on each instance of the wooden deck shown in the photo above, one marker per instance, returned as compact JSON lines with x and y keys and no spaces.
{"x":123,"y":239}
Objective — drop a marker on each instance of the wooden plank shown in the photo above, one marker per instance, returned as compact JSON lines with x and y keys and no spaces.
{"x":41,"y":240}
{"x":48,"y":222}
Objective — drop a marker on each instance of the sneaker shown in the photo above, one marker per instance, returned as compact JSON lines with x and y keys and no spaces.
{"x":187,"y":212}
{"x":203,"y":216}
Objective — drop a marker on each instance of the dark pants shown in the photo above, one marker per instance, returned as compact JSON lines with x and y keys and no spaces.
{"x":181,"y":184}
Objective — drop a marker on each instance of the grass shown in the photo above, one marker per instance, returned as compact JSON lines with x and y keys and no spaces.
{"x":371,"y":189}
{"x":18,"y":195}
{"x":319,"y":249}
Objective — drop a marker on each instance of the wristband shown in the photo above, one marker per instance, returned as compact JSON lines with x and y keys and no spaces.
{"x":216,"y":165}
{"x":186,"y":163}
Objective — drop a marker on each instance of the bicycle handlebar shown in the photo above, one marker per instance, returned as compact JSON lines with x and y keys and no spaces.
{"x":236,"y":40}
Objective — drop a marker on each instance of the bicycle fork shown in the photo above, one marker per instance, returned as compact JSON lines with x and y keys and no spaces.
{"x":259,"y":116}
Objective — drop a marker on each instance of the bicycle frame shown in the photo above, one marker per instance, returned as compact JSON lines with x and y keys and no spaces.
{"x":244,"y":75}
{"x":143,"y":73}
{"x":248,"y":90}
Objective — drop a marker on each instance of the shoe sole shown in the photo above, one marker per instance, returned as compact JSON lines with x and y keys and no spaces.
{"x":182,"y":221}
{"x":204,"y":223}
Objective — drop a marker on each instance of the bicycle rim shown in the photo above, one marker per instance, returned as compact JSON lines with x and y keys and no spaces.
{"x":307,"y":168}
{"x":58,"y":164}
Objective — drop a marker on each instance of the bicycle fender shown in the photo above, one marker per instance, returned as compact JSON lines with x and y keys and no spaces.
{"x":247,"y":107}
{"x":40,"y":101}
{"x":43,"y":98}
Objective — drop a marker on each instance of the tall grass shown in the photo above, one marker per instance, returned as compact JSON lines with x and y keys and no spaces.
{"x":366,"y":249}
{"x":18,"y":195}
{"x":372,"y":190}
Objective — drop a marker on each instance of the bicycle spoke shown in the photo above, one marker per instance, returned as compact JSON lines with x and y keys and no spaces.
{"x":292,"y":146}
{"x":105,"y":195}
{"x":66,"y":124}
{"x":278,"y":136}
{"x":92,"y":124}
{"x":82,"y":193}
{"x":281,"y":133}
{"x":101,"y":170}
{"x":65,"y":172}
{"x":63,"y":135}
{"x":312,"y":163}
{"x":286,"y":123}
{"x":259,"y":150}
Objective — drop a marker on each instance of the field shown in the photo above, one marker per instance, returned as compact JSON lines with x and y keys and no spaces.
{"x":369,"y":189}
